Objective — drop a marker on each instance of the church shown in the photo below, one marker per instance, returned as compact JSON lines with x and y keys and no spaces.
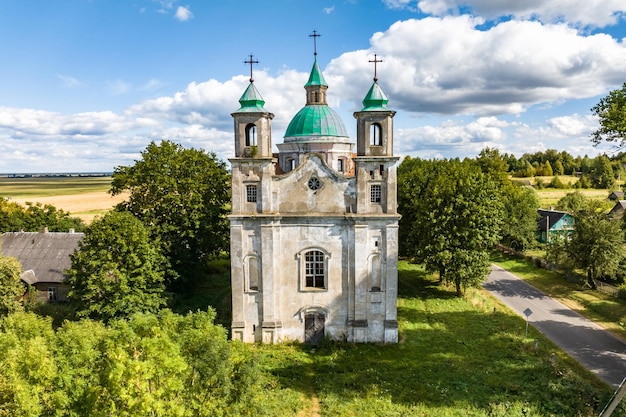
{"x":314,"y":227}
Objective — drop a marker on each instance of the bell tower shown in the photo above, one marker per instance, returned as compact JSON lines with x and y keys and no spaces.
{"x":375,"y":162}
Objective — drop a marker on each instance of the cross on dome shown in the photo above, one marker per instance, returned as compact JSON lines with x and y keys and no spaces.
{"x":315,"y":35}
{"x":251,"y":61}
{"x":375,"y":61}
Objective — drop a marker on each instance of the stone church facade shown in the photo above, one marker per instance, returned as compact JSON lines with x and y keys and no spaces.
{"x":314,"y":228}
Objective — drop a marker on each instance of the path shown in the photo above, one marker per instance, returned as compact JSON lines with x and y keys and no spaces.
{"x":595,"y":348}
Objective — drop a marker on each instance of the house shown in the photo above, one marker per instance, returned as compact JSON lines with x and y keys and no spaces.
{"x":314,"y":232}
{"x":44,"y":257}
{"x":553,"y":223}
{"x":616,"y":195}
{"x":618,"y":210}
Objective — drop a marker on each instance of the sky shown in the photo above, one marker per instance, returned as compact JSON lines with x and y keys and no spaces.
{"x":86,"y":85}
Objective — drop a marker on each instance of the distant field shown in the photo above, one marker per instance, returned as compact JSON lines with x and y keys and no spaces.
{"x":548,"y":197}
{"x":83,"y":197}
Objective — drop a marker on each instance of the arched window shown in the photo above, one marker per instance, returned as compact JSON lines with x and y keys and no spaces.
{"x":291,"y":164}
{"x":341,"y":165}
{"x":376,"y":138}
{"x":251,"y":135}
{"x":375,"y":273}
{"x":252,"y":273}
{"x":313,"y":270}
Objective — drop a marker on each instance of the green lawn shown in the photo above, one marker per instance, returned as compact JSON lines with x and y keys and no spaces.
{"x":457,"y":357}
{"x":51,"y":186}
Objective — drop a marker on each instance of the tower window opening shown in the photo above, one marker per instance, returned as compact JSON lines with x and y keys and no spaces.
{"x":376,"y":135}
{"x":291,"y":164}
{"x":340,"y":165}
{"x":251,"y":135}
{"x":381,"y":170}
{"x":251,"y":193}
{"x":375,"y":193}
{"x":316,"y":97}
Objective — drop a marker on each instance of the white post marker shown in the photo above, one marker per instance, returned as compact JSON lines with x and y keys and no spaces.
{"x":527,"y":313}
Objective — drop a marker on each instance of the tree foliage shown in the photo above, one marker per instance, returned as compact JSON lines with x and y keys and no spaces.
{"x":596,"y":244}
{"x":519,"y":221}
{"x":33,"y":217}
{"x":149,"y":364}
{"x":11,"y":287}
{"x":611,"y":112}
{"x":452,"y":213}
{"x":182,"y":196}
{"x":117,"y":269}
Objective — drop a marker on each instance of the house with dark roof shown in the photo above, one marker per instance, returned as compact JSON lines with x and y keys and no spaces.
{"x":44,"y":257}
{"x":616,"y":196}
{"x":553,"y":223}
{"x":618,"y":210}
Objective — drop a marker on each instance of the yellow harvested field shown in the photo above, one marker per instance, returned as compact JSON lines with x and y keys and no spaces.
{"x":85,"y":206}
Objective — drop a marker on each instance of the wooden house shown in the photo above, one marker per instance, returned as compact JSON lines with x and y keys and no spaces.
{"x":553,"y":223}
{"x":618,"y":210}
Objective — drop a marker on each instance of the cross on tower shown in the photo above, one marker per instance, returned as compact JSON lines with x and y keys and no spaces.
{"x":251,"y":61}
{"x":375,"y":61}
{"x":315,"y":35}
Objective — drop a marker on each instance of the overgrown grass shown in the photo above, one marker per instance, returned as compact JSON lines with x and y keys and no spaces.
{"x":604,"y":309}
{"x":44,"y":187}
{"x":456,"y":357}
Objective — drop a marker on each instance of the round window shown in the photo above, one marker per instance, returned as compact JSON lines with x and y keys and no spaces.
{"x":315,"y":184}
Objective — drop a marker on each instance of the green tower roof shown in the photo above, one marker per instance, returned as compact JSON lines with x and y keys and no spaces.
{"x":316,"y":77}
{"x":315,"y":120}
{"x":251,"y":100}
{"x":375,"y":99}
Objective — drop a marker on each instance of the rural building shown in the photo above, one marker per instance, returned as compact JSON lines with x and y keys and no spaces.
{"x":44,"y":257}
{"x":616,"y":196}
{"x":552,"y":224}
{"x":314,"y":228}
{"x":618,"y":210}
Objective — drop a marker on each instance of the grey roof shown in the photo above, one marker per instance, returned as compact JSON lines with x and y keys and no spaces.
{"x":44,"y":255}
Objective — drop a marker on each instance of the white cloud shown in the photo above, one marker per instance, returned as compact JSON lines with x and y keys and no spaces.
{"x":329,"y":10}
{"x":69,"y":82}
{"x":183,"y":13}
{"x":450,"y":66}
{"x":598,"y":13}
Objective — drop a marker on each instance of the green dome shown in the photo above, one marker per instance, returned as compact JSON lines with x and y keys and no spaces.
{"x":375,"y":99}
{"x":251,"y":100}
{"x":315,"y":121}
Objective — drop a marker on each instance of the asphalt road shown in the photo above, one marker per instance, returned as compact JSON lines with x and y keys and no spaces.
{"x":596,"y":349}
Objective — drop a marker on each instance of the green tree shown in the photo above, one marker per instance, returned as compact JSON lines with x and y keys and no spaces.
{"x":183,"y":196}
{"x":611,"y":112}
{"x":33,"y":217}
{"x":117,"y":269}
{"x":596,"y":244}
{"x":601,"y":174}
{"x":559,"y":169}
{"x":572,"y":202}
{"x":11,"y":287}
{"x":519,"y":222}
{"x":452,"y":213}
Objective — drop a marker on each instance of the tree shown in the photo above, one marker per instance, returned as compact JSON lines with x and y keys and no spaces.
{"x":519,"y":222}
{"x":452,"y":213}
{"x":182,"y":196}
{"x":611,"y":112}
{"x":572,"y":202}
{"x":117,"y":269}
{"x":601,"y":174}
{"x":33,"y":217}
{"x":11,"y":287}
{"x":596,"y":244}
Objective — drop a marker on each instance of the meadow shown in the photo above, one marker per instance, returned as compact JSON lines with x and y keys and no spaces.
{"x":457,"y":356}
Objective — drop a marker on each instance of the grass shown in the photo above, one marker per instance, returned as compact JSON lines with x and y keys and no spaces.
{"x":602,"y":308}
{"x":457,"y":356}
{"x":45,"y":187}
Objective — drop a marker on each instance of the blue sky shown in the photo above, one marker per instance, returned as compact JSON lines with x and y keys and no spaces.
{"x":87,"y":84}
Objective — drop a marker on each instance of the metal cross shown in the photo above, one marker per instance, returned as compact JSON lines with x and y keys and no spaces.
{"x":251,"y":61}
{"x":375,"y":61}
{"x":315,"y":35}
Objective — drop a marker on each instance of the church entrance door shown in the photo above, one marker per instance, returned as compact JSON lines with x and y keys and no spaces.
{"x":313,"y":328}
